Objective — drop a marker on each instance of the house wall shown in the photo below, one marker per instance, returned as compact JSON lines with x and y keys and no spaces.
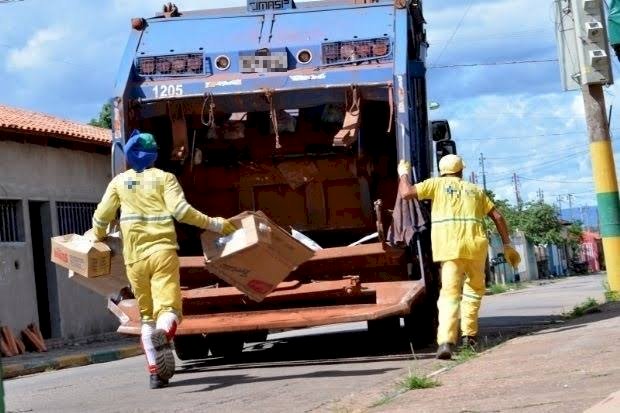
{"x":45,"y":176}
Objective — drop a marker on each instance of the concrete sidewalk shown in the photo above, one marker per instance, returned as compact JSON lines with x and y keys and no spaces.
{"x":571,"y":368}
{"x":63,"y":355}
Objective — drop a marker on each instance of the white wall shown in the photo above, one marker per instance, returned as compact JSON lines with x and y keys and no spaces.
{"x":39,"y":173}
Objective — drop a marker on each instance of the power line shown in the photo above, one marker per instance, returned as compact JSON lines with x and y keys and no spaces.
{"x":555,"y":182}
{"x":456,"y":29}
{"x":541,"y":166}
{"x":543,"y":135}
{"x":484,"y":64}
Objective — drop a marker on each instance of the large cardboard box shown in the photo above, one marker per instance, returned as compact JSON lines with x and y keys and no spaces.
{"x":81,"y":255}
{"x":257,"y":257}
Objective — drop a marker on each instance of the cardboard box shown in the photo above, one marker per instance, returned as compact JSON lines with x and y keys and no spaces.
{"x":78,"y":254}
{"x":111,"y":284}
{"x":257,"y":257}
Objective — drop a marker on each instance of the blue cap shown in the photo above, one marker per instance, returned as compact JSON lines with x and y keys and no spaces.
{"x":141,"y":151}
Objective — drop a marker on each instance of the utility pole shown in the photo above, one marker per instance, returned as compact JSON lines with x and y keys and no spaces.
{"x":559,"y":205}
{"x":541,"y":195}
{"x":570,"y":205}
{"x":473,"y":178}
{"x":484,"y":175}
{"x":515,"y":180}
{"x":585,"y":64}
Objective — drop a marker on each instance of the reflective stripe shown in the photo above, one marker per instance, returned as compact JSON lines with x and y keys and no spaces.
{"x":146,"y":218}
{"x":473,"y":297}
{"x":181,"y":210}
{"x":443,"y":220}
{"x":98,"y":223}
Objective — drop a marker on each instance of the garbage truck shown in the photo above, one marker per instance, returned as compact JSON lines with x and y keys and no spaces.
{"x":301,"y":111}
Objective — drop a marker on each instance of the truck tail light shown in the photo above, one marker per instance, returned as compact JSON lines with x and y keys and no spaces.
{"x":355,"y":51}
{"x":174,"y":65}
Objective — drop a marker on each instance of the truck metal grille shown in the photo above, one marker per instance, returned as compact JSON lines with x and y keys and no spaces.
{"x":356,"y":51}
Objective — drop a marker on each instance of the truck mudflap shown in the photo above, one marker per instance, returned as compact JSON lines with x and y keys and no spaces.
{"x":393,"y":298}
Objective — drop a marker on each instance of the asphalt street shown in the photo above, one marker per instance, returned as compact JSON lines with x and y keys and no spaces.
{"x":329,"y":369}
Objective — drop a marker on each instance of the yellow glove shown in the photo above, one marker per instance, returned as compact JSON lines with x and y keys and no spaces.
{"x":512,"y":256}
{"x":223,"y":226}
{"x":404,"y":168}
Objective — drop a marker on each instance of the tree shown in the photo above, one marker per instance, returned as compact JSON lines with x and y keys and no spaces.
{"x":105,"y":117}
{"x":540,"y":223}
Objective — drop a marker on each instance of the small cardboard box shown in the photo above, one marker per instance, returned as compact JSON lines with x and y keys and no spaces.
{"x":78,"y":254}
{"x":257,"y":257}
{"x":111,"y":284}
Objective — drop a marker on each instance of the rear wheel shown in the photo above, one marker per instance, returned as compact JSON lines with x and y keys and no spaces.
{"x":385,"y":333}
{"x":191,"y":347}
{"x":226,"y":344}
{"x":421,"y":323}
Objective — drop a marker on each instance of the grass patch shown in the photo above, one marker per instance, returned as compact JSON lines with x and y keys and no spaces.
{"x":611,"y":296}
{"x":590,"y":305}
{"x":497,"y":289}
{"x":385,"y":399}
{"x":414,"y":382}
{"x":502,"y":288}
{"x":465,"y":354}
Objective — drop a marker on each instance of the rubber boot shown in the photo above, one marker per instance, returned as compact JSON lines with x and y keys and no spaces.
{"x":469,"y":342}
{"x":156,"y":382}
{"x":444,"y":351}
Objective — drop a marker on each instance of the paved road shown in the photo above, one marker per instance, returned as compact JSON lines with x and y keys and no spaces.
{"x":322,"y":370}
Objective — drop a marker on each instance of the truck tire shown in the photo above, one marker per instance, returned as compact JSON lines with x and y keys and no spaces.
{"x":421,"y":324}
{"x":385,"y":333}
{"x":257,"y":336}
{"x":226,"y":344}
{"x":191,"y":347}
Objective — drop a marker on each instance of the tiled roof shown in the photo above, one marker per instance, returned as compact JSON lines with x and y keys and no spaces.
{"x":24,"y":120}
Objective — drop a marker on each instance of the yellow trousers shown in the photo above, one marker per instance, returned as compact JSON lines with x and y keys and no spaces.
{"x":156,"y":284}
{"x":462,"y":287}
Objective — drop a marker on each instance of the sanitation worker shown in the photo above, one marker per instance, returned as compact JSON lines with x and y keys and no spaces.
{"x":150,"y":200}
{"x":460,"y":244}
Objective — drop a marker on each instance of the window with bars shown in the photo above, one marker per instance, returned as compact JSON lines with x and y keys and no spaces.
{"x":75,"y":217}
{"x":11,"y":221}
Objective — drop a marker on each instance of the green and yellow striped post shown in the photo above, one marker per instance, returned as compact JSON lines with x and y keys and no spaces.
{"x":605,"y":180}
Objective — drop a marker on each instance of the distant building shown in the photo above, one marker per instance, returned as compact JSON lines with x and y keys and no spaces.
{"x":588,"y":215}
{"x":53,"y":173}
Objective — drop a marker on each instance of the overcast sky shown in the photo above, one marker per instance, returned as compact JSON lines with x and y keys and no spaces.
{"x":61,"y":58}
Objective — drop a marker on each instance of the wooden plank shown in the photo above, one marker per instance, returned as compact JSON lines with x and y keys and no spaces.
{"x":32,"y":341}
{"x":9,"y":339}
{"x":20,"y":345}
{"x":4,"y":349}
{"x":35,"y":329}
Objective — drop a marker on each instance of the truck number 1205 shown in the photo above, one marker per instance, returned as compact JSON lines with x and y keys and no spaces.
{"x":167,"y":91}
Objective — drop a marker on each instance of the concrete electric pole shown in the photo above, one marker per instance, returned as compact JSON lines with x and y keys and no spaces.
{"x":515,"y":180}
{"x":585,"y":63}
{"x":484,"y":175}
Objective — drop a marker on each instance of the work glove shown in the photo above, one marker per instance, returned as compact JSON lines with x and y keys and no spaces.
{"x":404,"y":168}
{"x":223,"y":226}
{"x":512,"y":256}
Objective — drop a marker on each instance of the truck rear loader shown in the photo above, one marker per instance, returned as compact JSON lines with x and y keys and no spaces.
{"x":301,"y":111}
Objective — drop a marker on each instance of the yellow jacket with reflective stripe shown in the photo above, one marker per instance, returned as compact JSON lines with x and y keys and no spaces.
{"x":149,"y":201}
{"x":457,"y":216}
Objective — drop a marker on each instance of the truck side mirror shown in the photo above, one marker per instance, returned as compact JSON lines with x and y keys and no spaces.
{"x":440,"y":130}
{"x":443,"y":148}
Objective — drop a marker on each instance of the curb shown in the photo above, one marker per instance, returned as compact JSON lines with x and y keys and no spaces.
{"x":73,"y":360}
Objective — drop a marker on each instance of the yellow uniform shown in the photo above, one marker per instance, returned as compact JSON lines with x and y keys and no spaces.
{"x":459,"y":242}
{"x":149,"y":203}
